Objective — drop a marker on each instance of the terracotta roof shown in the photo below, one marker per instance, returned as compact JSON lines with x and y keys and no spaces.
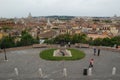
{"x":94,"y":36}
{"x":48,"y":34}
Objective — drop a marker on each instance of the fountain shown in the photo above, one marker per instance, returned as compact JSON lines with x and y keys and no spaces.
{"x":62,"y":51}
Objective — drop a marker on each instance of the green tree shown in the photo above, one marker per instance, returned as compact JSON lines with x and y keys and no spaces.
{"x":106,"y":42}
{"x":27,"y":39}
{"x":75,"y":38}
{"x":91,"y":41}
{"x":98,"y":42}
{"x":115,"y":40}
{"x":7,"y":42}
{"x":67,"y":37}
{"x":82,"y":38}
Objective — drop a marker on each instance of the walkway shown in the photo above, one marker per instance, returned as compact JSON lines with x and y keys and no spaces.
{"x":27,"y":62}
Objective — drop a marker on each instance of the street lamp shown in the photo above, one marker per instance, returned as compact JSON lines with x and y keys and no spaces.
{"x":3,"y":47}
{"x":5,"y":54}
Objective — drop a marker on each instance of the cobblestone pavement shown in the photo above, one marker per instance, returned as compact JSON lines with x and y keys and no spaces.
{"x":27,"y":62}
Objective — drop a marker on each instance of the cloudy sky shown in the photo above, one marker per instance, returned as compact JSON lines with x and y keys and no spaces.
{"x":21,"y":8}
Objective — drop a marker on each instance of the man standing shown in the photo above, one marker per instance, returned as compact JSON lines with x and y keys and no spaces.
{"x":98,"y":52}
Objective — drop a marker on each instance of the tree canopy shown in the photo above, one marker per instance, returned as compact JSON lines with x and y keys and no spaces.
{"x":82,"y":38}
{"x":25,"y":39}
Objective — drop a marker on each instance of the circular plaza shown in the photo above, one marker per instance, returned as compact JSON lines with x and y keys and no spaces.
{"x":31,"y":67}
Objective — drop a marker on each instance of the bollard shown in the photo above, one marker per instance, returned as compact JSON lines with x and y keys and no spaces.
{"x":40,"y":72}
{"x":65,"y":72}
{"x":114,"y":71}
{"x":16,"y":71}
{"x":89,"y":71}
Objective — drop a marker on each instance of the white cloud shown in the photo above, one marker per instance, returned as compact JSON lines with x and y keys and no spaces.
{"x":19,"y":8}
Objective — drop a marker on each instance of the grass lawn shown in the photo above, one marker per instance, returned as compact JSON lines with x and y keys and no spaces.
{"x":48,"y":55}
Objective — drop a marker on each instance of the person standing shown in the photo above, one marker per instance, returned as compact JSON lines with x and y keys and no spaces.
{"x":69,"y":44}
{"x":94,"y":51}
{"x":91,"y":63}
{"x":99,"y":52}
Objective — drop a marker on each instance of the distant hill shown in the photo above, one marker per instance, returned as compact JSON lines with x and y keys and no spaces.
{"x":61,"y":17}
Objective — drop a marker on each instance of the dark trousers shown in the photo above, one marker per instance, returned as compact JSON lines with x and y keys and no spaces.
{"x":98,"y":52}
{"x":91,"y":66}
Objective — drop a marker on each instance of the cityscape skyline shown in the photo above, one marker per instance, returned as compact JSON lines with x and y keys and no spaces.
{"x":21,"y":8}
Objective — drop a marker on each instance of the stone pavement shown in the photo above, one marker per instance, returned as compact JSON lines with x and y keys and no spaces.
{"x":27,"y":62}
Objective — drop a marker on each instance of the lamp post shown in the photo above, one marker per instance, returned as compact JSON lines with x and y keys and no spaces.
{"x":5,"y":54}
{"x":3,"y":47}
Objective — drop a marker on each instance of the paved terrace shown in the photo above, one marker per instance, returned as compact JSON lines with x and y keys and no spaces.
{"x":27,"y":62}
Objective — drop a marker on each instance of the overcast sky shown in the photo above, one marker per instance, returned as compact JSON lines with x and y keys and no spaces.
{"x":21,"y":8}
